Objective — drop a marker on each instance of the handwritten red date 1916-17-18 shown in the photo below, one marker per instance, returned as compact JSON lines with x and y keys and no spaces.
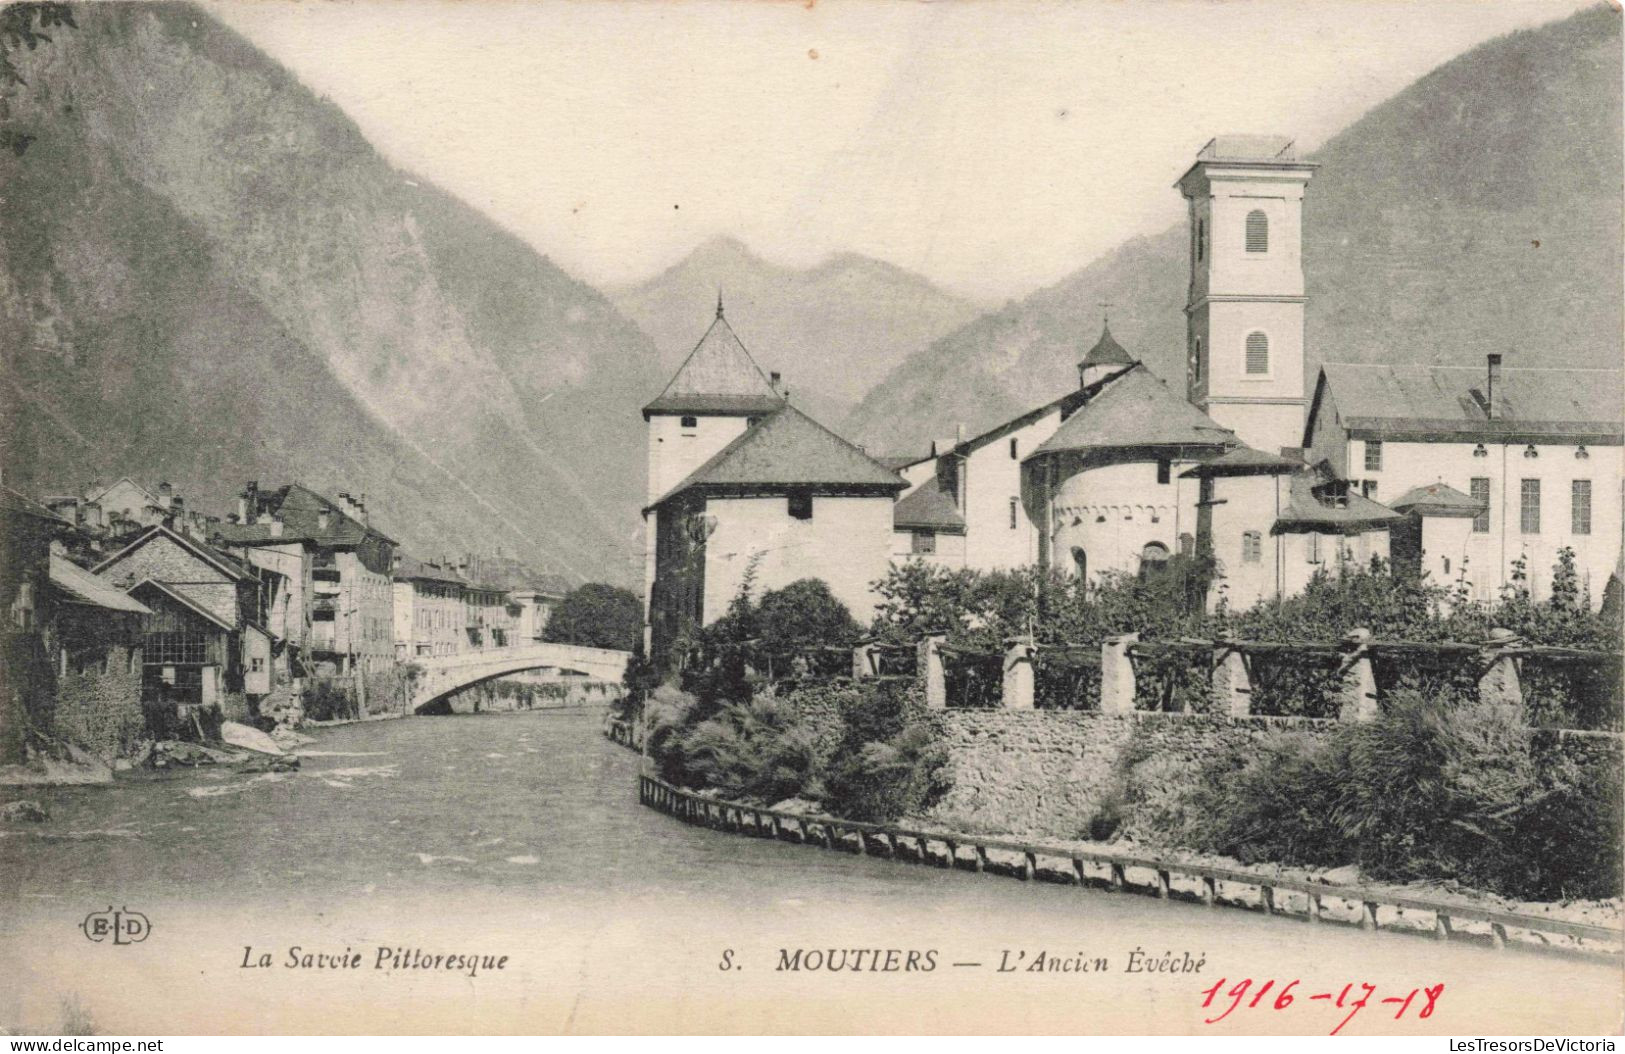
{"x":1352,"y":998}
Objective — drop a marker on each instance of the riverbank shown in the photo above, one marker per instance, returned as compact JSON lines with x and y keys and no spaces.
{"x":521,"y":835}
{"x":1168,"y":876}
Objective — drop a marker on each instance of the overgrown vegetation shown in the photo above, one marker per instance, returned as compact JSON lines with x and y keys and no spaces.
{"x":1439,"y":787}
{"x":979,"y":612}
{"x":858,"y":750}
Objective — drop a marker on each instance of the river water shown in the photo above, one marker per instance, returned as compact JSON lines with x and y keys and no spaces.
{"x":520,"y":835}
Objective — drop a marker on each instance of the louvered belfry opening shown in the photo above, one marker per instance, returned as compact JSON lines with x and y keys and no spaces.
{"x":1258,"y":232}
{"x":1258,"y":353}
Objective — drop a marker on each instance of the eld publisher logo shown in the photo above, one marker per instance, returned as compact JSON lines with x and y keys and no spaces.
{"x":124,"y":927}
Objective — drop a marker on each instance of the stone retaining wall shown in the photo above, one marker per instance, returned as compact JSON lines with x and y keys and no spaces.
{"x":1048,"y":772}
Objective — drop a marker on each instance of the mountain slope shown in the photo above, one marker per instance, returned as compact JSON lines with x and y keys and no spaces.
{"x":1478,"y":210}
{"x":208,"y":274}
{"x":852,"y":317}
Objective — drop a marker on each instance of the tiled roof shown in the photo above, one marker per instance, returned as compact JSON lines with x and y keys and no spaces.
{"x":227,"y":565}
{"x":82,"y":587}
{"x":1244,"y":461}
{"x":896,"y":462}
{"x":719,"y":376}
{"x":928,"y":507}
{"x":410,"y":569}
{"x":300,"y":509}
{"x":17,"y":504}
{"x":1350,"y":513}
{"x":1439,"y":499}
{"x":789,"y":449}
{"x":1107,"y":352}
{"x":1383,"y":401}
{"x":182,"y":599}
{"x":1135,"y":409}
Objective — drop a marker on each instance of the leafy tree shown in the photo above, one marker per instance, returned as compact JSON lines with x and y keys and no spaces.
{"x":802,"y":615}
{"x":23,"y":25}
{"x":599,"y":616}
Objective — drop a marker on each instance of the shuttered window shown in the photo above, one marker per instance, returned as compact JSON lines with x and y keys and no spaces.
{"x":925,"y":542}
{"x":1581,"y":502}
{"x":1481,"y":493}
{"x":1015,"y":516}
{"x":1252,"y":547}
{"x":1529,"y":494}
{"x":1258,"y":353}
{"x":1258,"y":232}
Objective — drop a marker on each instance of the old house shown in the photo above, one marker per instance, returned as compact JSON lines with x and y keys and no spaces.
{"x":536,"y":598}
{"x":1535,"y":455}
{"x":788,"y":499}
{"x":746,"y":488}
{"x":430,"y":610}
{"x":97,"y":640}
{"x":70,"y":644}
{"x":191,"y":587}
{"x":27,"y":530}
{"x":348,"y":610}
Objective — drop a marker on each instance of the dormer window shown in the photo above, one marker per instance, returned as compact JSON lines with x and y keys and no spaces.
{"x":1258,"y":232}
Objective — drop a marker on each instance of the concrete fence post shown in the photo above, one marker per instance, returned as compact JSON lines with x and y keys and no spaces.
{"x":863,"y":661}
{"x":1502,"y":683}
{"x":1018,"y":673}
{"x":1232,"y":685}
{"x":1357,"y":690}
{"x":1117,"y":674}
{"x":929,"y":669}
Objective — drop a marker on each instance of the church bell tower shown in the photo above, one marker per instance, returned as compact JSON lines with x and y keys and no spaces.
{"x":1244,"y":309}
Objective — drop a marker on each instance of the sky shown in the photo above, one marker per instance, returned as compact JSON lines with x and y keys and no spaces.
{"x":992,"y":147}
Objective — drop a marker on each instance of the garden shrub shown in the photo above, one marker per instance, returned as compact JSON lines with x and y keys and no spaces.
{"x":1437,"y":788}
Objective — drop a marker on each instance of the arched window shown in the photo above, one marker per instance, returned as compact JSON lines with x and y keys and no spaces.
{"x":1258,"y":232}
{"x":1154,"y":557}
{"x":1080,"y":561}
{"x":1258,"y":354}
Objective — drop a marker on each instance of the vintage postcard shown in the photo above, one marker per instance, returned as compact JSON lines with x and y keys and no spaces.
{"x":843,"y":517}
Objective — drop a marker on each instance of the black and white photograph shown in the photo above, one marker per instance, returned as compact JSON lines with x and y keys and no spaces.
{"x":825,"y":517}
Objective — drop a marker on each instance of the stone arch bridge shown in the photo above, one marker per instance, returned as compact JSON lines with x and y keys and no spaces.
{"x":443,"y":675}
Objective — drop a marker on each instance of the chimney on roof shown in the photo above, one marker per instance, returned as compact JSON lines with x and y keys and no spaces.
{"x":276,"y":526}
{"x":166,"y":494}
{"x":323,"y":518}
{"x":777,"y":380}
{"x":1493,"y":377}
{"x":959,"y":433}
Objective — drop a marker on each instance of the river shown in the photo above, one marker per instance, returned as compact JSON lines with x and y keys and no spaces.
{"x":520,"y":835}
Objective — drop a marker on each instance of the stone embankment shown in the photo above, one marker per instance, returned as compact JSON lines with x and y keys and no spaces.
{"x":1318,"y":898}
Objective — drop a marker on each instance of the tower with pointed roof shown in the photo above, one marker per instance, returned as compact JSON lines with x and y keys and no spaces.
{"x":1104,"y":359}
{"x":716,"y":394}
{"x":1244,"y":309}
